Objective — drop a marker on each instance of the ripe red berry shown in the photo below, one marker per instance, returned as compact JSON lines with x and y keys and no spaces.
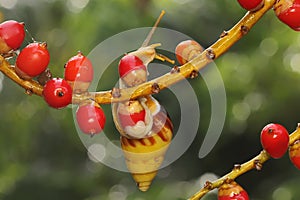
{"x":294,"y":153}
{"x":90,"y":118}
{"x":232,"y":191}
{"x":12,"y":34}
{"x":132,"y":70}
{"x":275,"y":140}
{"x":79,"y":72}
{"x":57,"y":93}
{"x":187,"y":50}
{"x":32,"y":60}
{"x":288,"y":11}
{"x":251,"y":5}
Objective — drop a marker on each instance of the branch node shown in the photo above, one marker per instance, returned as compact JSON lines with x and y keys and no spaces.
{"x":210,"y":54}
{"x":175,"y":69}
{"x":194,"y":74}
{"x":237,"y":167}
{"x":155,"y":88}
{"x":115,"y":92}
{"x":208,"y":185}
{"x":258,"y":165}
{"x":29,"y":92}
{"x":223,"y":34}
{"x":245,"y":29}
{"x":227,"y":180}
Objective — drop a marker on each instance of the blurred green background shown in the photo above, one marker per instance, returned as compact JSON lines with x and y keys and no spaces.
{"x":42,"y":156}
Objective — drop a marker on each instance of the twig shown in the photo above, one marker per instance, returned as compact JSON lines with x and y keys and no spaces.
{"x":226,"y":40}
{"x":238,"y":170}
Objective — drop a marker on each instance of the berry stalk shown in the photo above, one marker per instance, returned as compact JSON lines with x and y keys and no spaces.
{"x":239,"y":169}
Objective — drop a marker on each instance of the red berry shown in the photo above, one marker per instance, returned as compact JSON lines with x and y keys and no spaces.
{"x":12,"y":33}
{"x":32,"y":60}
{"x":288,"y":11}
{"x":275,"y":140}
{"x":57,"y":93}
{"x":232,"y":191}
{"x":79,"y":72}
{"x":187,"y":50}
{"x":251,"y":5}
{"x":129,"y":63}
{"x":294,"y":153}
{"x":132,"y":70}
{"x":90,"y":118}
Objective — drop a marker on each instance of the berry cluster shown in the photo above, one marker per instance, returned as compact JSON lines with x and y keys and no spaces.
{"x":287,"y":11}
{"x":136,"y":117}
{"x":32,"y":62}
{"x":275,"y":140}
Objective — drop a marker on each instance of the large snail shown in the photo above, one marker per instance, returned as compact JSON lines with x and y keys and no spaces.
{"x":145,"y":128}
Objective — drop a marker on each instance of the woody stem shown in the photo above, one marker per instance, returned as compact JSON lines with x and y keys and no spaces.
{"x":238,"y":170}
{"x":226,"y":40}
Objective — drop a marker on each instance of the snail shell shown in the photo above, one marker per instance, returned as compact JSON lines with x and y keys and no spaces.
{"x":144,"y":156}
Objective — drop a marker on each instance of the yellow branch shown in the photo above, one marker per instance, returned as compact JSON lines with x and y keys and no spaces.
{"x":226,"y":40}
{"x":190,"y":69}
{"x":254,"y":163}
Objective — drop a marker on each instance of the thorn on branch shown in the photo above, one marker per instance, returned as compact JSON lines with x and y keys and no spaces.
{"x":155,"y":88}
{"x":210,"y":54}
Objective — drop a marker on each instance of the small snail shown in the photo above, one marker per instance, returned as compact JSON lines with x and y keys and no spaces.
{"x":187,"y":50}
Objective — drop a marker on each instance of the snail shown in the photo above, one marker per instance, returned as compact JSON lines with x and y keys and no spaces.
{"x":145,"y":127}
